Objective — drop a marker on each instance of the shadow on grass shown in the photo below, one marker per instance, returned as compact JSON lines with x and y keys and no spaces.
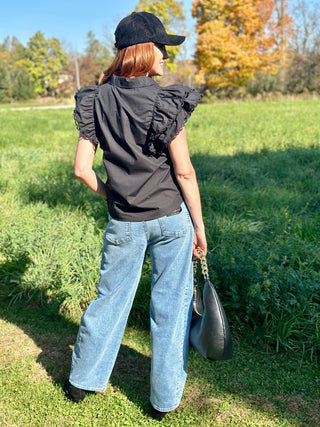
{"x":56,"y":336}
{"x":211,"y":386}
{"x":264,"y":183}
{"x":272,"y":176}
{"x":276,"y":389}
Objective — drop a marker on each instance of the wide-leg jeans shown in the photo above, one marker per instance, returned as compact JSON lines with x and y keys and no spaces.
{"x":169,"y":240}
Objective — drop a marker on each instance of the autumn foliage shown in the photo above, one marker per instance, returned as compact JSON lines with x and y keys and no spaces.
{"x":237,"y":38}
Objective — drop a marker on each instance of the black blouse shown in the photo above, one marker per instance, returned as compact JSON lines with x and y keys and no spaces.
{"x":133,"y":121}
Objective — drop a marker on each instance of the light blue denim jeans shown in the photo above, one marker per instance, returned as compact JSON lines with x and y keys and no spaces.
{"x":169,"y":240}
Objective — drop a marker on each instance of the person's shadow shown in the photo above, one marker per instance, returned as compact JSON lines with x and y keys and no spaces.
{"x":265,"y":171}
{"x":56,"y":336}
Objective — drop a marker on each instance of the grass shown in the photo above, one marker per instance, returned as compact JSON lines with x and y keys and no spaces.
{"x":258,"y":168}
{"x":259,"y":175}
{"x":253,"y":389}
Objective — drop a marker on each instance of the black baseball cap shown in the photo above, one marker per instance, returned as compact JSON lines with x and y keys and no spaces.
{"x":143,"y":27}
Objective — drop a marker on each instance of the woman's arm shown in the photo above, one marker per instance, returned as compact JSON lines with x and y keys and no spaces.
{"x":186,"y":177}
{"x":83,"y":163}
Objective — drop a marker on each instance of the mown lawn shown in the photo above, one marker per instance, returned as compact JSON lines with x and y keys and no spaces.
{"x":259,"y":176}
{"x":253,"y":389}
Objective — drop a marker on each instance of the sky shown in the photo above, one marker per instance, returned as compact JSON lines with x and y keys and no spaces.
{"x":68,"y":21}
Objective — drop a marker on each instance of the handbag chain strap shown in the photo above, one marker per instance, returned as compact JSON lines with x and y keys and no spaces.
{"x":204,"y":268}
{"x":204,"y":265}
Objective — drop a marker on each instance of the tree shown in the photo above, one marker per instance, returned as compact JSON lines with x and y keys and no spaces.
{"x":236,"y":39}
{"x":281,"y":28}
{"x":12,"y":46}
{"x":306,"y":26}
{"x":45,"y":59}
{"x":22,"y":85}
{"x":87,"y":70}
{"x":184,"y":74}
{"x":98,"y":52}
{"x":15,"y":82}
{"x":4,"y":85}
{"x":172,"y":16}
{"x":303,"y":74}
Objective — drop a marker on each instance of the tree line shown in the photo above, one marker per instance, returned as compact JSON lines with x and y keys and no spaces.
{"x":242,"y":47}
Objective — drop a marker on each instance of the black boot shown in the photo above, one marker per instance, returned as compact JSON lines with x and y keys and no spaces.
{"x":73,"y":393}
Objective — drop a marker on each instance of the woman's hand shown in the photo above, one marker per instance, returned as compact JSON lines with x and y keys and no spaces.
{"x":199,"y":240}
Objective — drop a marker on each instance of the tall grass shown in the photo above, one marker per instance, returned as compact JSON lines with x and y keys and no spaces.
{"x":258,"y":167}
{"x":259,"y":175}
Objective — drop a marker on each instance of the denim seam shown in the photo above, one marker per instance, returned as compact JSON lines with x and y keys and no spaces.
{"x":126,"y":238}
{"x":182,"y":343}
{"x":88,"y":388}
{"x":181,"y":233}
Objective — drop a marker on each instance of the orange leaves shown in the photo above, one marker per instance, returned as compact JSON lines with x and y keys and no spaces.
{"x":235,"y":39}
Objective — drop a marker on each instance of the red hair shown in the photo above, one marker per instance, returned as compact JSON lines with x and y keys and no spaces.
{"x":132,"y":61}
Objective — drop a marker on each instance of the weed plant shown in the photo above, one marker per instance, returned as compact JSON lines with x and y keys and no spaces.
{"x":259,"y":177}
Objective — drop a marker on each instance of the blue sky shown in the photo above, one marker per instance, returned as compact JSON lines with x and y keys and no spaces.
{"x":69,"y":21}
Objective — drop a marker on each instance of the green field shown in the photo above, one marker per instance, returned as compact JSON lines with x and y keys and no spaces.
{"x":259,"y":177}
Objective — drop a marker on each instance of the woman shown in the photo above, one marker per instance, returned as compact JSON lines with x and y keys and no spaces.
{"x":154,"y":204}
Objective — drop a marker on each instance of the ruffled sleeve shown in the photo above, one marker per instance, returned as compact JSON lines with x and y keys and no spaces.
{"x":172,"y":109}
{"x":84,"y":112}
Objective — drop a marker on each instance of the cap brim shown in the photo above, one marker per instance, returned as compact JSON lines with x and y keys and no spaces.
{"x":173,"y":40}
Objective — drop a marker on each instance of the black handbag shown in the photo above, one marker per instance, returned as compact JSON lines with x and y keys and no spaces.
{"x":209,"y":333}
